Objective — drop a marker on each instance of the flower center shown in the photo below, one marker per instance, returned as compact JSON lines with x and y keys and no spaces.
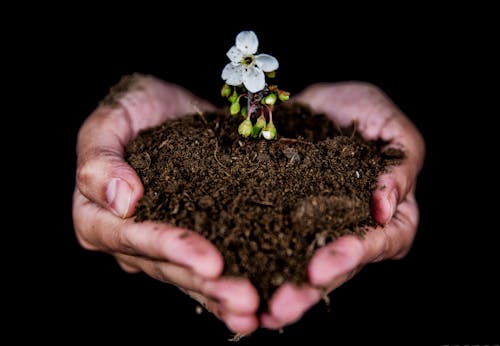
{"x":248,"y":60}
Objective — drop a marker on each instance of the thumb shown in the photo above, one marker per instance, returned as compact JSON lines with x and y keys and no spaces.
{"x":394,"y":185}
{"x":103,"y":176}
{"x":143,"y":101}
{"x":386,"y":197}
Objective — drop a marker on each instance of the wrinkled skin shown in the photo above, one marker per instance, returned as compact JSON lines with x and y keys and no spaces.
{"x":108,"y":190}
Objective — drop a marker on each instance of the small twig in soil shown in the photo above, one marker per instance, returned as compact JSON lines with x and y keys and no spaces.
{"x":253,"y":170}
{"x":264,"y":203}
{"x":162,"y":144}
{"x":220,"y":163}
{"x":293,"y":140}
{"x":187,"y":196}
{"x":148,"y":159}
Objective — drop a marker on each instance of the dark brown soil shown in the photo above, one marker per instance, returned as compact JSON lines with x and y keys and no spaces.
{"x":266,"y":205}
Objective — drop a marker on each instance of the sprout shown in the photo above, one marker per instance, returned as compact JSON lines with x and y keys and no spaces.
{"x":245,"y":77}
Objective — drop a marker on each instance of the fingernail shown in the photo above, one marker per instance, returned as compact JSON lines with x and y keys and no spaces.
{"x":392,"y":200}
{"x":118,"y":196}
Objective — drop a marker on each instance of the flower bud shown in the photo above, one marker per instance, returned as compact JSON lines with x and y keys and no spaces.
{"x":259,"y":125}
{"x":225,"y":91}
{"x":234,"y":97}
{"x":283,"y":95}
{"x":244,"y":111}
{"x":269,"y":99}
{"x":245,"y":128}
{"x":269,"y":132}
{"x":271,"y":74}
{"x":235,"y":108}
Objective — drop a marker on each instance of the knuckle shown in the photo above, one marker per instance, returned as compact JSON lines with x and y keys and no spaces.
{"x":359,"y":247}
{"x":124,"y":86}
{"x":90,"y":165}
{"x":126,"y":267}
{"x":123,"y":241}
{"x":86,"y":170}
{"x":93,"y":166}
{"x":156,"y":271}
{"x":84,"y":243}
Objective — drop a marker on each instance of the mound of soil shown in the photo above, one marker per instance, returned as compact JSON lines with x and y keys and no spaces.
{"x":266,"y":205}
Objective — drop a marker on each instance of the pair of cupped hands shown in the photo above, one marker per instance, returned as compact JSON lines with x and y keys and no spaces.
{"x":108,"y":189}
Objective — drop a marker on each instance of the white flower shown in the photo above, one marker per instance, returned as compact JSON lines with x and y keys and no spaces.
{"x":245,"y":67}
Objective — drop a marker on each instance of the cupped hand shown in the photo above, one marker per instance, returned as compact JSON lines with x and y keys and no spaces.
{"x":393,"y":202}
{"x":108,"y":189}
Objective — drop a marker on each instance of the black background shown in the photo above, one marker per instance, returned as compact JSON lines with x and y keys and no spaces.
{"x":443,"y":292}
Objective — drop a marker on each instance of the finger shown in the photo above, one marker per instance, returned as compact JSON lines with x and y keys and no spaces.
{"x":167,"y":272}
{"x":237,"y":295}
{"x":136,"y":103}
{"x":270,"y":322}
{"x":237,"y":323}
{"x":394,"y":240}
{"x":232,"y":300}
{"x":241,"y":324}
{"x":106,"y":232}
{"x":400,"y":180}
{"x":335,"y":262}
{"x":390,"y":187}
{"x":288,"y":304}
{"x":127,"y":266}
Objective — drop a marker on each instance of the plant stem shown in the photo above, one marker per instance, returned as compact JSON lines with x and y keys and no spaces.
{"x":250,"y":103}
{"x":270,"y":110}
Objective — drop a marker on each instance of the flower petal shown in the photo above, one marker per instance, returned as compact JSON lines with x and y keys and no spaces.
{"x":254,"y":79}
{"x":267,"y":62}
{"x":235,"y":55}
{"x":233,"y":74}
{"x":247,"y":42}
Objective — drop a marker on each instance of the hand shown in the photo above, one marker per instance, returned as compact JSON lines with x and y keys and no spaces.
{"x":393,"y":203}
{"x":108,"y":189}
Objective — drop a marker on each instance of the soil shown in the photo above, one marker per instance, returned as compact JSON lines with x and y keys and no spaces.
{"x":266,"y":205}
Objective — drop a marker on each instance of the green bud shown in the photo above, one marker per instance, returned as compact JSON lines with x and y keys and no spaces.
{"x":261,"y":122}
{"x":259,"y":125}
{"x":244,"y":111}
{"x":269,"y":132}
{"x":225,"y":91}
{"x":245,"y":128}
{"x":269,"y":99}
{"x":235,"y":108}
{"x":234,"y":97}
{"x":271,"y":74}
{"x":283,"y":95}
